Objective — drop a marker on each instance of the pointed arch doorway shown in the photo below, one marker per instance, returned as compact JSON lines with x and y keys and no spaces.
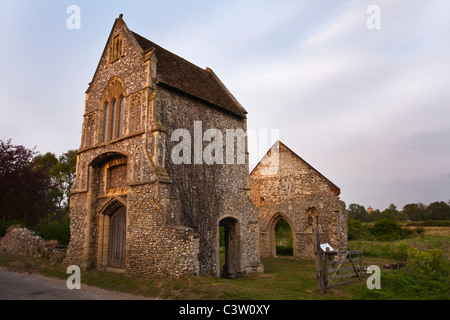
{"x":117,"y":238}
{"x":113,"y":235}
{"x":283,"y":239}
{"x":281,"y":236}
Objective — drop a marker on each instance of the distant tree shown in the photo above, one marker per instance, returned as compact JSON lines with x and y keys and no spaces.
{"x":24,"y":186}
{"x":438,"y":210}
{"x":390,"y":213}
{"x":414,"y":211}
{"x":62,"y":172}
{"x":374,"y":216}
{"x":357,"y":212}
{"x":56,"y":224}
{"x":47,"y":163}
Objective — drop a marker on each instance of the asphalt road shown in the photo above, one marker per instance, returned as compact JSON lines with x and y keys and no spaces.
{"x":24,"y":286}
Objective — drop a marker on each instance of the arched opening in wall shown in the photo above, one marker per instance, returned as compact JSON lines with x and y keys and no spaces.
{"x":117,"y":238}
{"x":113,"y":233}
{"x":281,"y":234}
{"x":229,"y":233}
{"x":283,"y":239}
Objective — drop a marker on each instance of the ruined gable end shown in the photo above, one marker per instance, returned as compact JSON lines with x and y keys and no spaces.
{"x":284,"y":186}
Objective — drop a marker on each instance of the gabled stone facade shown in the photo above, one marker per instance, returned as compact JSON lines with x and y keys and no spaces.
{"x":132,"y":208}
{"x":284,"y":186}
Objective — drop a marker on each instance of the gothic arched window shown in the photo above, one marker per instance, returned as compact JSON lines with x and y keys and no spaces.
{"x":105,"y":121}
{"x":120,"y":117}
{"x":116,"y":49}
{"x":113,"y":111}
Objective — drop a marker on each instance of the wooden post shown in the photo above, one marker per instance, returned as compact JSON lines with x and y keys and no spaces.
{"x":319,"y":262}
{"x":326,"y":266}
{"x":361,"y":265}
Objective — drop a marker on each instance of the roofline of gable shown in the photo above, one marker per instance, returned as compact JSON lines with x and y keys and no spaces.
{"x":230,"y":95}
{"x":130,"y":37}
{"x":335,"y":189}
{"x":213,"y":105}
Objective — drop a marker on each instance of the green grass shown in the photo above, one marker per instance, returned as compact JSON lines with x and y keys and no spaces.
{"x":426,"y":275}
{"x":433,"y":238}
{"x":284,"y":278}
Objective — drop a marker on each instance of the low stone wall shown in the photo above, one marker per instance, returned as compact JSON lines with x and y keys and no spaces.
{"x":22,"y":241}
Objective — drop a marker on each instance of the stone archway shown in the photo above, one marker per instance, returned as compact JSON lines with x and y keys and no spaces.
{"x":112,"y":245}
{"x":232,"y":266}
{"x":276,"y":218}
{"x":283,"y":239}
{"x":117,"y":238}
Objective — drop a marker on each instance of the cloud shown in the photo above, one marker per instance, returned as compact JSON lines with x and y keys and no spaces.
{"x":367,"y":108}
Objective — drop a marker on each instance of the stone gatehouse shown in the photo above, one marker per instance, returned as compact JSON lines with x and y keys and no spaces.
{"x":284,"y":186}
{"x":133,"y":209}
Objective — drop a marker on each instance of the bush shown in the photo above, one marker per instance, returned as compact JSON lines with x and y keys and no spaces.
{"x":358,"y":231}
{"x":424,"y":277}
{"x":383,"y":230}
{"x":54,"y":228}
{"x":387,"y":230}
{"x":400,"y":285}
{"x":6,"y":222}
{"x":430,"y":223}
{"x":428,"y":262}
{"x":401,"y":252}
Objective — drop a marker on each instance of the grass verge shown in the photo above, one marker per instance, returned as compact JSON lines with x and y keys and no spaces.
{"x":283,"y":279}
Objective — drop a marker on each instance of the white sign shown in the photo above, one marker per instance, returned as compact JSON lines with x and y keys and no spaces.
{"x":324,"y":247}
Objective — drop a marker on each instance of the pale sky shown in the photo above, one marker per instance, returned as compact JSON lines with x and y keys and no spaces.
{"x":368,"y":108}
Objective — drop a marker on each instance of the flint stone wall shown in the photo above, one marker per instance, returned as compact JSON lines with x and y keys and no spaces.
{"x":172,"y":211}
{"x":284,"y":186}
{"x":21,"y":241}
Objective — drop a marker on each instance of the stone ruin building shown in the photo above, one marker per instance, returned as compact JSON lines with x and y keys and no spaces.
{"x":134,"y":209}
{"x":284,"y":186}
{"x":145,"y":202}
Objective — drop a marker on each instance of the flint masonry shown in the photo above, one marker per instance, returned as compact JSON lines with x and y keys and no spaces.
{"x":284,"y":186}
{"x":133,"y":209}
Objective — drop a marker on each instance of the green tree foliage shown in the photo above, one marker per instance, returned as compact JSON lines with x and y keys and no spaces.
{"x":387,"y":230}
{"x":414,"y":211}
{"x":358,"y":231}
{"x":283,"y":236}
{"x":62,"y":172}
{"x":383,"y":230}
{"x":425,"y":276}
{"x":56,"y":225}
{"x":24,"y":186}
{"x":357,"y":212}
{"x":47,"y":162}
{"x":35,"y":190}
{"x":390,"y":213}
{"x":436,"y":211}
